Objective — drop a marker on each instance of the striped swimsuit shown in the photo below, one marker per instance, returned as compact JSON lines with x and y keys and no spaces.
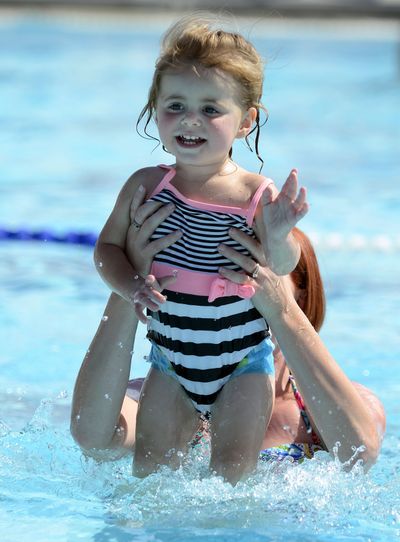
{"x":208,"y":328}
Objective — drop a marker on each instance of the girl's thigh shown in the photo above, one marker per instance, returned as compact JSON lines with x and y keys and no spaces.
{"x":166,"y":419}
{"x":241,"y":415}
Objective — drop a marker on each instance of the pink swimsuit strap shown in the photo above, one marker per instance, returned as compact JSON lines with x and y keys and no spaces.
{"x":248,"y":213}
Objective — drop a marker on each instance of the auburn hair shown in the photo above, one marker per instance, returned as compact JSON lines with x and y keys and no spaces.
{"x":307,"y":278}
{"x":192,"y":42}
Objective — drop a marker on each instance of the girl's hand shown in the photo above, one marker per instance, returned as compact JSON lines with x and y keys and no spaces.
{"x":273,"y":294}
{"x":282,"y":210}
{"x":145,"y":219}
{"x":149,"y":295}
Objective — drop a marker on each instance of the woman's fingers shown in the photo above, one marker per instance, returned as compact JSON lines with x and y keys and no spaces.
{"x":136,"y":202}
{"x":158,"y":245}
{"x":146,"y":210}
{"x":234,"y":276}
{"x":250,"y":243}
{"x":245,"y":262}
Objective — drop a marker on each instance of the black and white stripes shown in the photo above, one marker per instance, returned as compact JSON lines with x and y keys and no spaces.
{"x":203,"y":341}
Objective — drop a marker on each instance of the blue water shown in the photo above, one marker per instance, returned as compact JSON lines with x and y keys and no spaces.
{"x":70,"y":91}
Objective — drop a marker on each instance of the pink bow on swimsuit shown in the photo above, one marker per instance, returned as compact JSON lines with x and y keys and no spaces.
{"x":221,"y":287}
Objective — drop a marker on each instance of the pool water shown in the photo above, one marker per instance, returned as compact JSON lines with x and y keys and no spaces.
{"x":72,"y":89}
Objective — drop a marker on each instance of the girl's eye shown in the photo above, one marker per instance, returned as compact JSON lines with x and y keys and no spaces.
{"x":210,"y":110}
{"x":175,"y":107}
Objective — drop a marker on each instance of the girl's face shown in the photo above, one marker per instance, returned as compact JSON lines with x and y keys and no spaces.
{"x":198,"y":114}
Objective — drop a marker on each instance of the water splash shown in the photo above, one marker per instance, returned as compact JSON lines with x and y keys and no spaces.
{"x":44,"y":474}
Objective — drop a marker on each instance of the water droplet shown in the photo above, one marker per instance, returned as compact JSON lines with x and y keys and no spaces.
{"x":120,"y":345}
{"x":105,"y":318}
{"x":62,"y":395}
{"x":136,"y":277}
{"x":107,"y":396}
{"x":100,"y":264}
{"x":77,"y":417}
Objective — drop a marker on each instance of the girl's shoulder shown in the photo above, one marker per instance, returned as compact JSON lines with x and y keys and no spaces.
{"x":253,"y":182}
{"x":149,"y":177}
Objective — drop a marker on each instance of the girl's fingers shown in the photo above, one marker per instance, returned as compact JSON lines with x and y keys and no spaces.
{"x":139,"y":311}
{"x":300,"y":203}
{"x":289,"y":189}
{"x":166,"y":281}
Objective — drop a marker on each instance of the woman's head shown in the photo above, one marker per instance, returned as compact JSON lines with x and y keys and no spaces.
{"x":308,"y":282}
{"x":193,"y":42}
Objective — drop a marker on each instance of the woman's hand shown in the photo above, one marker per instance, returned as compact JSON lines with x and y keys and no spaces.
{"x":145,"y":219}
{"x":140,"y":250}
{"x":273,"y":294}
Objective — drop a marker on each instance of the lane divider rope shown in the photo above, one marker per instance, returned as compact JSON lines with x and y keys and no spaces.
{"x":332,"y":241}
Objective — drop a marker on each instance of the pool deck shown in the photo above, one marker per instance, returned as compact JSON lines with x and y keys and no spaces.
{"x":271,"y":8}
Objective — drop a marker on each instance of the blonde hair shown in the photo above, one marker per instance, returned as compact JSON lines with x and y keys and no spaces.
{"x":192,"y":41}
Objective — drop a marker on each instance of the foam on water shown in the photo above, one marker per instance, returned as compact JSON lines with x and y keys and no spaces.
{"x":44,"y":475}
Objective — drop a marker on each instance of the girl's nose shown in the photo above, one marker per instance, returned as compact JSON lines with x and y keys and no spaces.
{"x":191,"y":119}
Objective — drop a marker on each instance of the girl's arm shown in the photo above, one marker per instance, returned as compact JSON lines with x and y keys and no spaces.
{"x":280,"y":213}
{"x":338,"y":409}
{"x":109,"y":255}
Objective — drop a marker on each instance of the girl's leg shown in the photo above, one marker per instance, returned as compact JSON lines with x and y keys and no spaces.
{"x":166,"y":423}
{"x":239,"y":419}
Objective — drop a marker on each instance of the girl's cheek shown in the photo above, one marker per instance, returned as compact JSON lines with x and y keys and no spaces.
{"x":166,"y":117}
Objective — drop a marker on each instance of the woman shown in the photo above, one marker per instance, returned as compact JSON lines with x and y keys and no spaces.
{"x":105,"y":404}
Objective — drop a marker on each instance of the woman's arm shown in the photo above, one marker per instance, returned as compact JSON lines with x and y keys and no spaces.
{"x":103,"y":419}
{"x":96,"y":419}
{"x":338,"y":409}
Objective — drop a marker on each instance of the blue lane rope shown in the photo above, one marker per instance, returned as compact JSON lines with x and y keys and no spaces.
{"x":69,"y":238}
{"x":332,"y":241}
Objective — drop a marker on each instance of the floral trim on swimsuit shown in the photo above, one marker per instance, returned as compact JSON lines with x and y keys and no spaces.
{"x":295,"y":452}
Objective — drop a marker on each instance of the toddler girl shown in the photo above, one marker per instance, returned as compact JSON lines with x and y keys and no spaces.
{"x":211,"y":349}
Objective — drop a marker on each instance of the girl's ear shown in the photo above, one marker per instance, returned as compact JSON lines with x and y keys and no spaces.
{"x":247,"y":122}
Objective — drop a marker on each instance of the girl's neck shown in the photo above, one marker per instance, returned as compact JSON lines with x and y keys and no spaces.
{"x":200,"y":174}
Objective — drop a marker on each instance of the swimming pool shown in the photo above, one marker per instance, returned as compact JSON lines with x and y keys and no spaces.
{"x":73,"y":88}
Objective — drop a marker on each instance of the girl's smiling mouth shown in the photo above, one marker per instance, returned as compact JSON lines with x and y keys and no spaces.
{"x":190,"y":140}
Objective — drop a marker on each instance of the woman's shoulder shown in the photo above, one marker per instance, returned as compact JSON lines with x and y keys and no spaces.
{"x":374,"y":405}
